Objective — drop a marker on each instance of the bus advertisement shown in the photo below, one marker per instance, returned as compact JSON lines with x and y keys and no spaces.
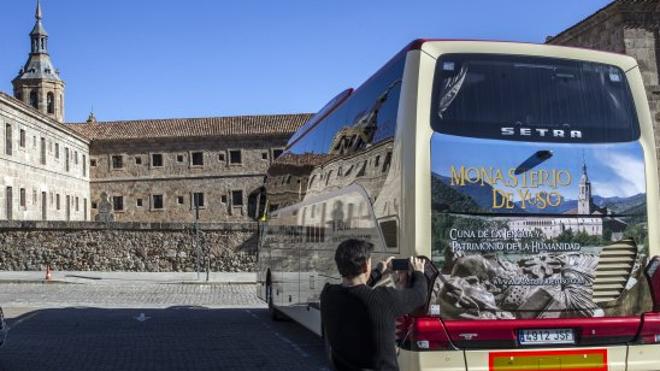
{"x":523,"y":172}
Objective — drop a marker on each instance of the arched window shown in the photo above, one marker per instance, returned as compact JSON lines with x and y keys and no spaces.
{"x":50,"y":102}
{"x":34,"y":99}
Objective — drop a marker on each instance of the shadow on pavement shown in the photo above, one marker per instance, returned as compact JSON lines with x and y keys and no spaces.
{"x":176,"y":338}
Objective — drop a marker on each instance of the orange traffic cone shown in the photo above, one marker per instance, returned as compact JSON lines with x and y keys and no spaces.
{"x":49,"y":273}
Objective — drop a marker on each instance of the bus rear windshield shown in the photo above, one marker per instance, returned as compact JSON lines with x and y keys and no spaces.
{"x":532,"y":99}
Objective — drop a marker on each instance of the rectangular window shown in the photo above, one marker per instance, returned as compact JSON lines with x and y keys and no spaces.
{"x":223,"y":199}
{"x":277,"y":153}
{"x":264,"y":155}
{"x":77,"y":204}
{"x":221,"y":157}
{"x":138,"y":202}
{"x":156,"y":159}
{"x":157,"y":202}
{"x":117,"y":162}
{"x":57,"y":201}
{"x":179,"y":200}
{"x":75,"y":158}
{"x":66,"y":158}
{"x":8,"y":139}
{"x":21,"y":199}
{"x":21,"y":138}
{"x":197,"y":158}
{"x":237,"y":198}
{"x":94,"y":205}
{"x":84,"y":173}
{"x":526,"y":98}
{"x":57,"y":150}
{"x":118,"y":203}
{"x":235,"y":157}
{"x":179,"y":158}
{"x":138,"y":160}
{"x":198,"y":199}
{"x":92,"y":163}
{"x":43,"y":151}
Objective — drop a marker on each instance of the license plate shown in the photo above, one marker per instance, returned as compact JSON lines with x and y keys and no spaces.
{"x":546,"y":336}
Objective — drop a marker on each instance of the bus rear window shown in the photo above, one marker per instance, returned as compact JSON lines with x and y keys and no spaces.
{"x":532,"y":99}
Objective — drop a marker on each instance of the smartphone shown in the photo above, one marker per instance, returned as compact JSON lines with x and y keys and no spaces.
{"x":400,"y":264}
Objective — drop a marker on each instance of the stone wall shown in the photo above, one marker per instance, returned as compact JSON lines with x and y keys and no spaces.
{"x":138,"y":247}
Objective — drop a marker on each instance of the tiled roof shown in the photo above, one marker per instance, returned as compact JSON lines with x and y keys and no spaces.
{"x":192,"y":127}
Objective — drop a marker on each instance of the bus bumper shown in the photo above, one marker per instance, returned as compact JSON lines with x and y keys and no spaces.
{"x":613,"y":358}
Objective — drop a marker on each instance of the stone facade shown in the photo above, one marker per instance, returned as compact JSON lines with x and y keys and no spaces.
{"x":153,"y":247}
{"x":45,"y":175}
{"x":624,"y":26}
{"x":228,"y":185}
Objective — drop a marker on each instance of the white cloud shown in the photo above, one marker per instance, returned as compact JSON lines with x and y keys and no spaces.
{"x":628,"y":172}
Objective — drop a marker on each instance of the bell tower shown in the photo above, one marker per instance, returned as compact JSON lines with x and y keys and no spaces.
{"x":584,"y":193}
{"x":38,"y":84}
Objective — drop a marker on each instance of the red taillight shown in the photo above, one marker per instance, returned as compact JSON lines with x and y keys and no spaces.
{"x":653,"y":276}
{"x":423,"y":333}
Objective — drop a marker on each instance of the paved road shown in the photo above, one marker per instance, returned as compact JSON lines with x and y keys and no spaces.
{"x":231,"y":331}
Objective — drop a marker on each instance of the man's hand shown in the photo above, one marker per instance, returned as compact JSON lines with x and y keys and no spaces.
{"x":417,"y":264}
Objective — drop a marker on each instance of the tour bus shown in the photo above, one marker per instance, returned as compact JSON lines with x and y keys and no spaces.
{"x":525,"y":173}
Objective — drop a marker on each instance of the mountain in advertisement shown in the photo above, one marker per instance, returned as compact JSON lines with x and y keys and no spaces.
{"x":479,"y":195}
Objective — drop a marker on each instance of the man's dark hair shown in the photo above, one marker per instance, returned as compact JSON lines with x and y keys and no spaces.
{"x":351,"y":255}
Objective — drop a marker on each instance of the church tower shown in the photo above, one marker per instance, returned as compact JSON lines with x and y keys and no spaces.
{"x":584,"y":195}
{"x":38,"y":84}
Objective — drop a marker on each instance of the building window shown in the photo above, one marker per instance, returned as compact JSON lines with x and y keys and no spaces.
{"x":43,"y":152}
{"x":34,"y":99}
{"x":235,"y":157}
{"x":138,"y":160}
{"x":237,"y":198}
{"x":8,"y":139}
{"x":197,"y":158}
{"x":156,"y":159}
{"x":277,"y":153}
{"x":57,"y":201}
{"x":157,"y":202}
{"x":77,"y":205}
{"x":223,"y":199}
{"x":179,"y":200}
{"x":50,"y":103}
{"x":179,"y":158}
{"x":22,"y":200}
{"x":34,"y":196}
{"x":75,"y":157}
{"x":57,"y":150}
{"x":264,"y":155}
{"x":138,"y":202}
{"x":92,"y":163}
{"x":94,"y":205}
{"x":377,"y":161}
{"x":118,"y":203}
{"x":221,"y":157}
{"x":198,"y":199}
{"x":84,"y":165}
{"x":21,"y":138}
{"x":117,"y":162}
{"x":66,"y":158}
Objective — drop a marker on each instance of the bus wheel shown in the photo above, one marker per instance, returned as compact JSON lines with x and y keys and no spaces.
{"x":275,"y":314}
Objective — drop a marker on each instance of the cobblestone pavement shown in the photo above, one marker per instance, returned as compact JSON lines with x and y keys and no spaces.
{"x":150,"y":327}
{"x":50,"y":295}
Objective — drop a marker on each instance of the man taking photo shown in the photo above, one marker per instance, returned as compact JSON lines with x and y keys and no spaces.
{"x":358,"y":319}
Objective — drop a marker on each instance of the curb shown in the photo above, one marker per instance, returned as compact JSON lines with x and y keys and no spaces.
{"x":128,"y":278}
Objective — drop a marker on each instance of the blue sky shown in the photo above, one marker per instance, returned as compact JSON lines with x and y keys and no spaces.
{"x":615,"y":169}
{"x":159,"y":58}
